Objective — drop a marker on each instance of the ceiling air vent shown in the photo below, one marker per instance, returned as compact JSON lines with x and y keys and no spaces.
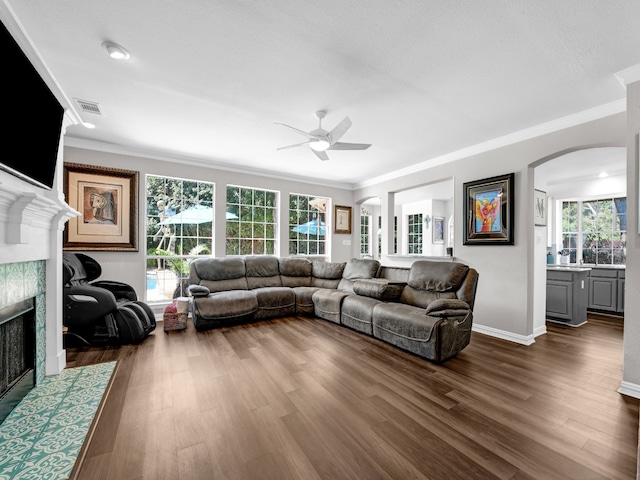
{"x":89,"y":107}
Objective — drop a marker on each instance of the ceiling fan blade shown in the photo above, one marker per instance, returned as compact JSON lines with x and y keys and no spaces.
{"x":339,"y":130}
{"x":296,"y":145}
{"x":306,"y":134}
{"x":349,"y":146}
{"x":320,"y":155}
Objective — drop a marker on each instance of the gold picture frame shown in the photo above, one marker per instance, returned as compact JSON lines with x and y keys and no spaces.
{"x":342,"y":216}
{"x":107,"y":199}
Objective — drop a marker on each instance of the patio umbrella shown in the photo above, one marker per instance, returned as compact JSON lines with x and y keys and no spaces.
{"x":310,"y":228}
{"x":193,"y":215}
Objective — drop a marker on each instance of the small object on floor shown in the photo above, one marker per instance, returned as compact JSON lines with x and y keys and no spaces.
{"x":175,"y":315}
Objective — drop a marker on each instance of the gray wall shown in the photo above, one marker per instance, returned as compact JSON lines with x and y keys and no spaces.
{"x":631,"y":372}
{"x":126,"y":266}
{"x":509,"y":284}
{"x":510,"y":298}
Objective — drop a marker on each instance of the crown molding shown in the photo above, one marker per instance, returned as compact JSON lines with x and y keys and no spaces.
{"x":568,"y":121}
{"x":628,"y":75}
{"x":579,"y":118}
{"x":70,"y":141}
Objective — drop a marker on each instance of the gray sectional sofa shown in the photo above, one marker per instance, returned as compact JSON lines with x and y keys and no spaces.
{"x":426,"y":309}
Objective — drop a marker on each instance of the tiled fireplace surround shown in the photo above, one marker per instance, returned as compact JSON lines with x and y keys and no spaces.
{"x":31,"y":223}
{"x":20,"y":281}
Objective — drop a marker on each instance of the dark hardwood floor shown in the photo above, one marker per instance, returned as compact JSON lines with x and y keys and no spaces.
{"x":300,"y":398}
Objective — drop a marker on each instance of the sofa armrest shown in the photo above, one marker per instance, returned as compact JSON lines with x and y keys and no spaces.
{"x":448,"y":308}
{"x":378,"y":288}
{"x":198,"y":291}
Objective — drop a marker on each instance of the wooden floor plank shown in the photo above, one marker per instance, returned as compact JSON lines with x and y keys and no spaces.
{"x":303,"y":398}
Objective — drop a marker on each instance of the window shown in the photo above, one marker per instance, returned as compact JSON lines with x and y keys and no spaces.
{"x":307,"y":228}
{"x":395,"y":234}
{"x":595,"y":230}
{"x":379,"y":236}
{"x":414,"y":226}
{"x":179,"y":224}
{"x":570,"y":231}
{"x":365,"y":234}
{"x":252,"y":221}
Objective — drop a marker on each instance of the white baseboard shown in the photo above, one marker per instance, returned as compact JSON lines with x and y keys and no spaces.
{"x":510,"y":336}
{"x":55,"y":364}
{"x":629,"y":389}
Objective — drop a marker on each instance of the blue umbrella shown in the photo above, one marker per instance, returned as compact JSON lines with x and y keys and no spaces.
{"x":194,"y":215}
{"x":310,"y":228}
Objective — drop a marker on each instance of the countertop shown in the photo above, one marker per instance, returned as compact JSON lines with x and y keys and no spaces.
{"x":585,"y":266}
{"x":569,"y":268}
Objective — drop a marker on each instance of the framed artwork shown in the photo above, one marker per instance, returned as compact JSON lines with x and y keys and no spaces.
{"x":438,"y":229}
{"x":488,"y":211}
{"x":107,"y":200}
{"x":540,"y":208}
{"x":342,"y":217}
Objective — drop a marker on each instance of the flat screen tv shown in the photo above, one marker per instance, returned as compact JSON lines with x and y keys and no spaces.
{"x":34,"y":118}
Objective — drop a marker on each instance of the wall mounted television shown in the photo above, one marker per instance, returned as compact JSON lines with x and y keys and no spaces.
{"x":34,"y":118}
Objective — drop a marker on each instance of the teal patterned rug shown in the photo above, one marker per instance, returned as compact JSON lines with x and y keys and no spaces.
{"x":42,"y":436}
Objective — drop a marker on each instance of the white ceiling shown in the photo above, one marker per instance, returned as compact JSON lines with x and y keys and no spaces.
{"x":419,"y":79}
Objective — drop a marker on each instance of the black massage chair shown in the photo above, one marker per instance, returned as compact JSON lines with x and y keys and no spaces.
{"x":101,"y":312}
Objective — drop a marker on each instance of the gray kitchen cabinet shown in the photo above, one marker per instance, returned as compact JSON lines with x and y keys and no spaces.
{"x":606,"y":289}
{"x":567,"y":295}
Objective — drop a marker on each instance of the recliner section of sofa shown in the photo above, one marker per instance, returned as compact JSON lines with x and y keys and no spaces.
{"x":425,"y":309}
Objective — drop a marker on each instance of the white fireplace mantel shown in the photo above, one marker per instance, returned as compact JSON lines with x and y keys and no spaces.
{"x":32,"y":220}
{"x":25,"y":212}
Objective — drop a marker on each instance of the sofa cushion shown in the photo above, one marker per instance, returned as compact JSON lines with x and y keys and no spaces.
{"x":295,"y":271}
{"x":225,"y":285}
{"x":396,"y":274}
{"x":226,"y":305}
{"x":327,"y":303}
{"x":262,"y":271}
{"x":219,"y":274}
{"x":356,"y":269}
{"x":198,"y":291}
{"x":304,"y":299}
{"x":326,"y":274}
{"x":275,"y":302}
{"x":357,"y":313}
{"x":448,"y":308}
{"x":379,"y":288}
{"x":422,"y":298}
{"x":406,"y":327}
{"x":436,"y":276}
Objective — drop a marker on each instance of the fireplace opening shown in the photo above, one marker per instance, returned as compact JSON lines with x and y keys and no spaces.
{"x":17,"y":354}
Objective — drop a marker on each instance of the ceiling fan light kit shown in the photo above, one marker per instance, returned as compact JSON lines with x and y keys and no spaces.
{"x":319,"y":145}
{"x":320,"y":139}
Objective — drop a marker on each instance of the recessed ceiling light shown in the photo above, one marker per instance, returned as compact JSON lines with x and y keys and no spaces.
{"x":603,"y":175}
{"x":88,"y":125}
{"x":116,"y":51}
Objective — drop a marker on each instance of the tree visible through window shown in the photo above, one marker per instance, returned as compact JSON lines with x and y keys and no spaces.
{"x":595,"y":230}
{"x":179,"y":224}
{"x":365,"y":234}
{"x":414,"y":225}
{"x":307,"y":227}
{"x":252,"y":221}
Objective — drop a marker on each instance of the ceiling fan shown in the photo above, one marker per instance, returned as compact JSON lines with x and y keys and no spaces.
{"x":320,"y":140}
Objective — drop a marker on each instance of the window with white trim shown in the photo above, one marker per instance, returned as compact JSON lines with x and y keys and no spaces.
{"x":252,"y":221}
{"x":307,"y":224}
{"x":414,"y":226}
{"x":179,"y":228}
{"x":595,"y":231}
